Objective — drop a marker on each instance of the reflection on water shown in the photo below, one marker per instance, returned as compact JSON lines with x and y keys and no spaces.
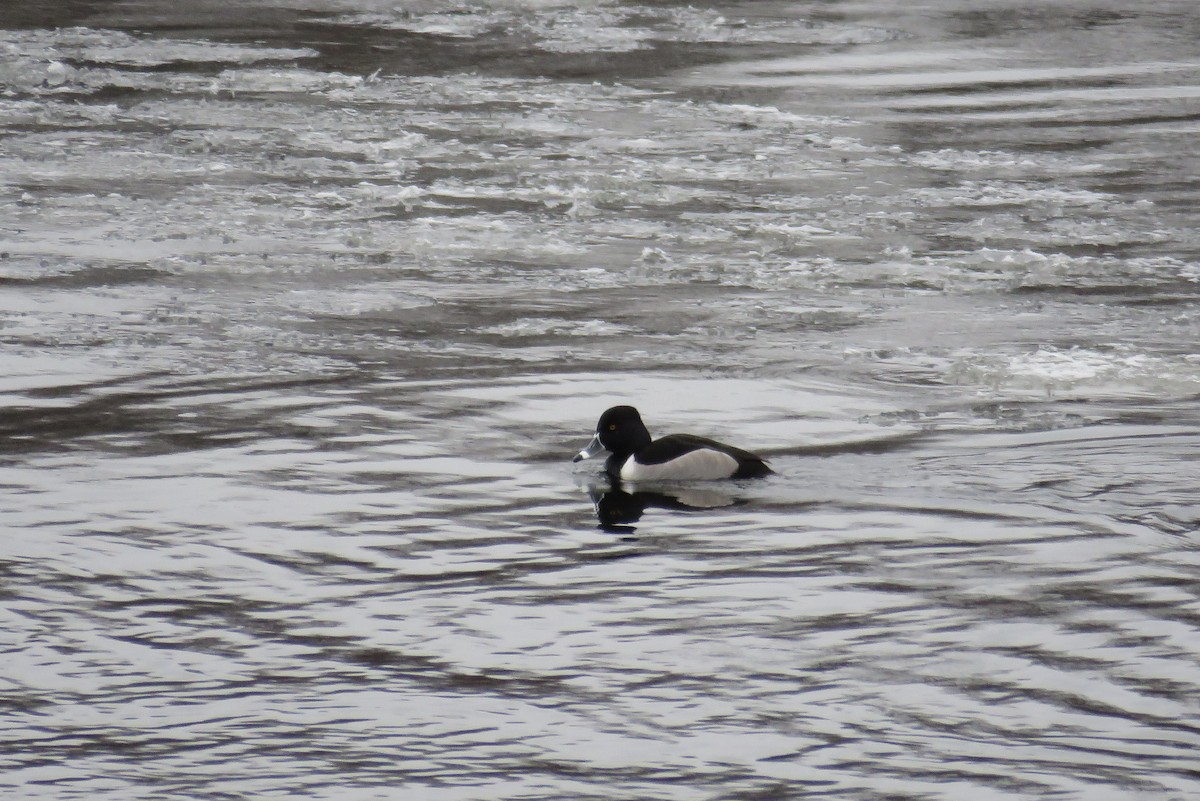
{"x":304,"y":308}
{"x":619,"y":505}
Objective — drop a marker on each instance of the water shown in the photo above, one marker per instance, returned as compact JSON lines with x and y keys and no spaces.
{"x":305,"y":308}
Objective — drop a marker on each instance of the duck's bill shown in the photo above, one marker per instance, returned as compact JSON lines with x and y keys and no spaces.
{"x":591,"y":450}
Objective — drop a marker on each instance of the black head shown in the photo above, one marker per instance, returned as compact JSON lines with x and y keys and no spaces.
{"x":620,"y":431}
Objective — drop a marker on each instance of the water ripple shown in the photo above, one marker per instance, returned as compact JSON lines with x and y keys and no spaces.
{"x":305,"y":312}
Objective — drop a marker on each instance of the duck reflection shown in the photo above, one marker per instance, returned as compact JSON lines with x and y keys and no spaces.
{"x":620,"y":505}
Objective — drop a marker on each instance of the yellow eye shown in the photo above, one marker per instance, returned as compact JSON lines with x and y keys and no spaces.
{"x":612,"y":426}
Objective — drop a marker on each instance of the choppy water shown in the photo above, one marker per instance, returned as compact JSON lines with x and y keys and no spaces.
{"x":305,"y":307}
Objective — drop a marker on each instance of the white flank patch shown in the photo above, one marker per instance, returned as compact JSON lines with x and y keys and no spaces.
{"x":701,"y":465}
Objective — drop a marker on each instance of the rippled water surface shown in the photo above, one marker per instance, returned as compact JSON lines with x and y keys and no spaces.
{"x":304,"y":307}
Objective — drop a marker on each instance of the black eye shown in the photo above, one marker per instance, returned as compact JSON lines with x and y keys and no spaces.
{"x":612,"y":426}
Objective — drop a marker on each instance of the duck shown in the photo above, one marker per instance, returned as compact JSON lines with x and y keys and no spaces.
{"x":635,"y":456}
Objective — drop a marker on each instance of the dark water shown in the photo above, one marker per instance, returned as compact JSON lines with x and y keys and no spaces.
{"x":305,"y":307}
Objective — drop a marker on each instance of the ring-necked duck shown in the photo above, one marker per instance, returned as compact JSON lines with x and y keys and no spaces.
{"x":675,"y":457}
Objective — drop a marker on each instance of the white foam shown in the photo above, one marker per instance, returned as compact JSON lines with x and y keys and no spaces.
{"x":566,"y":28}
{"x":542,"y":326}
{"x":465,"y":24}
{"x":1078,"y":371}
{"x":99,"y":46}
